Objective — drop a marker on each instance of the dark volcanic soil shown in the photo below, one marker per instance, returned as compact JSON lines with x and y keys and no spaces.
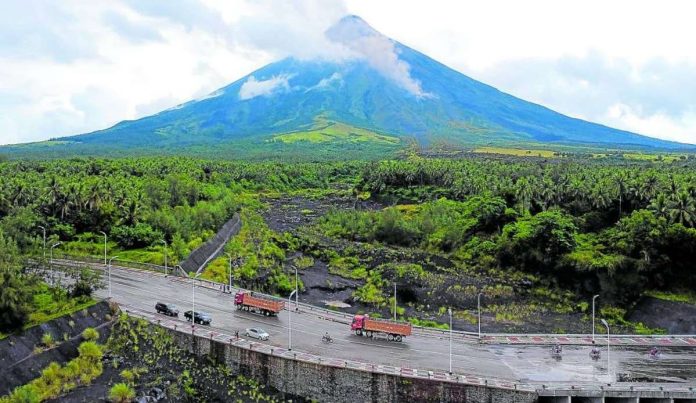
{"x":445,"y":284}
{"x":289,"y":213}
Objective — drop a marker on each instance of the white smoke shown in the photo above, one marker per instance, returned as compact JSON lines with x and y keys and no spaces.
{"x":253,"y":88}
{"x":380,"y":52}
{"x":377,"y":50}
{"x":319,"y":29}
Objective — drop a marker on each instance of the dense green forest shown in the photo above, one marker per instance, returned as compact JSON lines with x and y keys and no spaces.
{"x":614,"y":227}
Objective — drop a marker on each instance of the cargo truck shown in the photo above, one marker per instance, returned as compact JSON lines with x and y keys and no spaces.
{"x":363,"y":325}
{"x":264,"y":305}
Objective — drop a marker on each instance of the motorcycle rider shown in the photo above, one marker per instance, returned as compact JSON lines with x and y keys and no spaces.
{"x":595,"y":349}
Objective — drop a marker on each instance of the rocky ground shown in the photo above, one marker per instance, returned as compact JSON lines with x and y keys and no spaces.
{"x":508,"y":305}
{"x":166,"y":373}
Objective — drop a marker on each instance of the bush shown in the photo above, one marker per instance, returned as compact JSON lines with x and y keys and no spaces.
{"x":47,"y":340}
{"x":121,"y":393}
{"x":138,"y":236}
{"x":90,"y":334}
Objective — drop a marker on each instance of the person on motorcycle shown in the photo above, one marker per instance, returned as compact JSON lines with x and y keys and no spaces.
{"x":654,"y":352}
{"x":595,"y":349}
{"x":326,"y":337}
{"x":557,"y":349}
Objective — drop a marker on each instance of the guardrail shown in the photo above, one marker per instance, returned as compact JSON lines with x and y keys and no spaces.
{"x":272,"y":350}
{"x":344,"y":317}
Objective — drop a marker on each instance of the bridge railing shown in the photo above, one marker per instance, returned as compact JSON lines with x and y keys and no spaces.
{"x":344,"y":317}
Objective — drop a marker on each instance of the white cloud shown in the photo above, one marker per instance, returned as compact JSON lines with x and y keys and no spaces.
{"x":72,"y":66}
{"x":253,"y":88}
{"x":379,"y":51}
{"x":326,"y":82}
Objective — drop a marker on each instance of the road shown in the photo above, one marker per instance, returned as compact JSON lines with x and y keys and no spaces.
{"x":520,"y":363}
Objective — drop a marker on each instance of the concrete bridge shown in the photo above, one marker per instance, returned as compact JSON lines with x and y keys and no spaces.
{"x":481,"y":371}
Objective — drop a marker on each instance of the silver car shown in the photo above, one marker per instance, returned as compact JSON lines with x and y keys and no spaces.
{"x":256,"y":333}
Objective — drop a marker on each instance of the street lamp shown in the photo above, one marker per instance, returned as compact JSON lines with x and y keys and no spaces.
{"x":44,"y":241}
{"x":109,"y":269}
{"x":604,"y":322}
{"x":395,"y":301}
{"x":478,"y":304}
{"x":449,"y":311}
{"x":193,"y":299}
{"x":297,"y":293}
{"x":104,"y":233}
{"x":593,"y":315}
{"x":50,"y":264}
{"x":229,"y":257}
{"x":290,"y":321}
{"x":165,"y":256}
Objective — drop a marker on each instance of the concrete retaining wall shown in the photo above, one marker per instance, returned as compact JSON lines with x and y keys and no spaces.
{"x":19,"y":364}
{"x":326,"y":383}
{"x":213,"y":248}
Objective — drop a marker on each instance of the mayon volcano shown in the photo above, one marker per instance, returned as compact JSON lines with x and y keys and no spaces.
{"x":372,"y":89}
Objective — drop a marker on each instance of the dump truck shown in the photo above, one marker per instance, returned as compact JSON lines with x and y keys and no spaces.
{"x":363,"y":325}
{"x":264,"y":305}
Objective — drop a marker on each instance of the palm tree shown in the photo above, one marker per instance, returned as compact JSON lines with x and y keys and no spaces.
{"x":660,"y":206}
{"x":682,"y":209}
{"x":621,"y":189}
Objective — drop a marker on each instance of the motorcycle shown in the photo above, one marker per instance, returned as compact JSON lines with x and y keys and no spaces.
{"x":326,"y":339}
{"x":556,"y":352}
{"x":595,"y":354}
{"x":654,"y":353}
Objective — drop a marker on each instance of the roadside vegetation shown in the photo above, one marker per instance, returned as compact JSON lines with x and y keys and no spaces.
{"x":532,"y":234}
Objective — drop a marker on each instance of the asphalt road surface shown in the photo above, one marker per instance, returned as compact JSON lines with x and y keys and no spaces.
{"x":514,"y":362}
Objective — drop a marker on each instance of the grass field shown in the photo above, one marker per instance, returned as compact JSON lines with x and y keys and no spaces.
{"x":336,"y":132}
{"x":516,"y":152}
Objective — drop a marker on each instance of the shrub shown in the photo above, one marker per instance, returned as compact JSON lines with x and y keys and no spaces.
{"x":47,"y":340}
{"x":121,"y":393}
{"x":90,"y":334}
{"x":128,"y":376}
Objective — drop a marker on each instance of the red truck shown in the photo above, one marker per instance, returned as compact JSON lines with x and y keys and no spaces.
{"x":264,"y":305}
{"x":364,"y":325}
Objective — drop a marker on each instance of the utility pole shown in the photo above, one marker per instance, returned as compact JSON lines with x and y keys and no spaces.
{"x":109,"y":268}
{"x":44,"y":241}
{"x":449,"y":311}
{"x":604,"y":322}
{"x":290,"y":321}
{"x":104,"y":233}
{"x":593,"y":316}
{"x":229,"y":257}
{"x":394,"y":301}
{"x":50,"y":264}
{"x":165,"y":256}
{"x":297,"y":293}
{"x":478,"y":299}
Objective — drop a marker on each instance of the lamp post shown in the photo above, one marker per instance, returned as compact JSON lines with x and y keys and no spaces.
{"x":109,"y":269}
{"x":44,"y":241}
{"x":165,"y":256}
{"x":478,"y":304}
{"x":50,"y":264}
{"x":229,"y":257}
{"x":297,"y":293}
{"x":449,"y":311}
{"x":593,"y":315}
{"x":604,"y":322}
{"x":104,"y":233}
{"x":394,"y":301}
{"x":290,"y":321}
{"x":193,"y":299}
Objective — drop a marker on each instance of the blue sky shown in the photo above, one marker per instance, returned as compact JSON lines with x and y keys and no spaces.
{"x":75,"y":66}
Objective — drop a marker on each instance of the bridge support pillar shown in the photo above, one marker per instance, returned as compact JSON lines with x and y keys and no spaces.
{"x":554,"y":399}
{"x":621,"y":399}
{"x":587,"y":399}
